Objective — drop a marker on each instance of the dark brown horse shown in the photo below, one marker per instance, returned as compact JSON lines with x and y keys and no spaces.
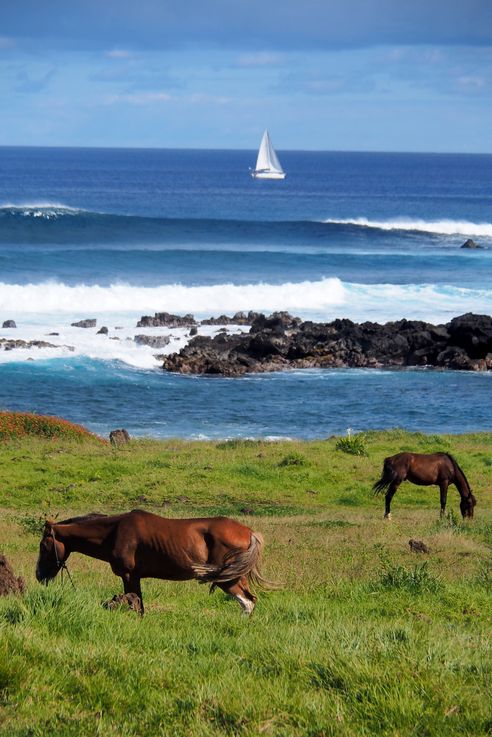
{"x":425,"y":469}
{"x":139,"y":545}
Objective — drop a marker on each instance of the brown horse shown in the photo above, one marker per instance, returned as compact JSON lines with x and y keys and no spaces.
{"x":139,"y":545}
{"x":425,"y":469}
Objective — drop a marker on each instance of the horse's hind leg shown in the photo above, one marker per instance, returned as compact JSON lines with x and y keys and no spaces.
{"x":443,"y":487}
{"x":388,"y":497}
{"x":131,"y":584}
{"x":239,"y":590}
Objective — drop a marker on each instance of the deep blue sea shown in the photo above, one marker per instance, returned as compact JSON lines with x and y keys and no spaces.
{"x":115,"y":234}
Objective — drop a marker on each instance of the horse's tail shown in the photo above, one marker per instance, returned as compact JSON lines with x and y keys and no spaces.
{"x":237,"y":563}
{"x":460,"y":473}
{"x":388,"y":476}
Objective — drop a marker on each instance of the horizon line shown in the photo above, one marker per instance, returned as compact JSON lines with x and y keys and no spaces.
{"x":209,"y":148}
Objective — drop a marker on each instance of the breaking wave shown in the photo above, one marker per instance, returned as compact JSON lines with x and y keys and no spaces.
{"x":438,"y":227}
{"x":55,"y":223}
{"x":323,"y":299}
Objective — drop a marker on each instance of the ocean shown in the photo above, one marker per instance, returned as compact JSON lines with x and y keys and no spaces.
{"x":115,"y":234}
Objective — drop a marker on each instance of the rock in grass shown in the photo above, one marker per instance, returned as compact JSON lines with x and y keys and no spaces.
{"x":418,"y":546}
{"x":9,"y":582}
{"x":132,"y":601}
{"x":119,"y":437}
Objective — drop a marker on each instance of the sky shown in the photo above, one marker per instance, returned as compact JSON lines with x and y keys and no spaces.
{"x":366,"y":75}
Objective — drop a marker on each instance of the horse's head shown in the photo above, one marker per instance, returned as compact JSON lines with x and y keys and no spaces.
{"x":52,"y":554}
{"x":467,"y":505}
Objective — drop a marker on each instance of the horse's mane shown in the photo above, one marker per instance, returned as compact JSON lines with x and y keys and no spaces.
{"x":81,"y":518}
{"x":459,"y":470}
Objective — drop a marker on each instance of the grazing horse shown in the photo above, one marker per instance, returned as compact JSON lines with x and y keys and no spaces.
{"x":139,"y":545}
{"x":425,"y":469}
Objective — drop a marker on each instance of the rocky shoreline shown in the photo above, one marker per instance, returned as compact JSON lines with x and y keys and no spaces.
{"x":250,"y":342}
{"x":281,"y":341}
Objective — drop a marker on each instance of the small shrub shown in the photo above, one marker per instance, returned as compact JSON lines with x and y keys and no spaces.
{"x":237,"y":443}
{"x":415,"y":580}
{"x":330,"y":524}
{"x":32,"y":523}
{"x":352,"y":444}
{"x":293,"y":459}
{"x":451,"y":521}
{"x":14,"y":425}
{"x":484,"y":575}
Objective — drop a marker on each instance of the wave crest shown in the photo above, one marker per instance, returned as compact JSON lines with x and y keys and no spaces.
{"x":44,"y":210}
{"x":53,"y":297}
{"x":438,"y":227}
{"x":323,"y":299}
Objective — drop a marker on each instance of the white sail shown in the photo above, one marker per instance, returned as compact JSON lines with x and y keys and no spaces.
{"x":267,"y":164}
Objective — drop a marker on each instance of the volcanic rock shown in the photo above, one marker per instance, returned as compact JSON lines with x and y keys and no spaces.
{"x":87,"y":323}
{"x":240,"y":318}
{"x":9,"y":582}
{"x":10,"y":344}
{"x":473,"y":333}
{"x":9,"y":324}
{"x":167,"y":320}
{"x":282,"y":341}
{"x":154,"y":341}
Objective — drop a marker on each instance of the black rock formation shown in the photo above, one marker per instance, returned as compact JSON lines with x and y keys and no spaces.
{"x":87,"y":323}
{"x":166,"y":320}
{"x":282,"y":341}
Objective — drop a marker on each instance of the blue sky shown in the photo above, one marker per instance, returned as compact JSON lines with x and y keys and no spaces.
{"x":403,"y":75}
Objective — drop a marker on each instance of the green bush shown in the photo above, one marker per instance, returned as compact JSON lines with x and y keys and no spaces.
{"x":415,"y":580}
{"x":293,"y":459}
{"x":352,"y":444}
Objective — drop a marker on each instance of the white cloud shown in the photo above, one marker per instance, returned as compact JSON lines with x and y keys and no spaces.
{"x":470,"y":82}
{"x":119,"y":54}
{"x":202,"y":98}
{"x":6,"y":42}
{"x":260,"y":59}
{"x":140,"y":98}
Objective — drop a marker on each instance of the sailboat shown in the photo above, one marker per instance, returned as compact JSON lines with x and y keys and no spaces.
{"x":267,"y":164}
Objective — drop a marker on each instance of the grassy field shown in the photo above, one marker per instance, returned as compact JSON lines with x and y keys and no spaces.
{"x":364,"y":637}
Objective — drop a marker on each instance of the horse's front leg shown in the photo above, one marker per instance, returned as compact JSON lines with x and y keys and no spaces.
{"x":387,"y":499}
{"x":443,"y":488}
{"x":131,"y":585}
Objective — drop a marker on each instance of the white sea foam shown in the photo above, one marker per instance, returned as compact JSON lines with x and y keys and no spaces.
{"x":326,"y":298}
{"x":439,"y":227}
{"x":55,"y":297}
{"x":40,"y":209}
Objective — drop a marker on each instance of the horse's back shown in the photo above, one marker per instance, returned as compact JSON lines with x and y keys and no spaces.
{"x":407,"y":457}
{"x":225,"y":530}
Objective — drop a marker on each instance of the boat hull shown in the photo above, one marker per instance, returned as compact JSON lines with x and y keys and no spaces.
{"x":268,"y":174}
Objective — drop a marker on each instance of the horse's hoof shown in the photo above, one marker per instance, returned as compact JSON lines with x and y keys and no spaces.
{"x":387,"y":516}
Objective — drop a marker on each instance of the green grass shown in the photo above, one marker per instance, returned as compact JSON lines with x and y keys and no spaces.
{"x":364,"y":637}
